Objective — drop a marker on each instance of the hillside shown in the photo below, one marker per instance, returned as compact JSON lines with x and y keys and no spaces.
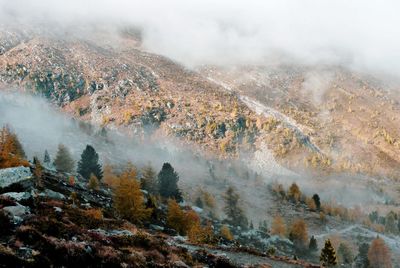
{"x":259,"y":129}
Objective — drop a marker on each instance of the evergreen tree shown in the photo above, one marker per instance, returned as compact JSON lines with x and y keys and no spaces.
{"x":233,"y":211}
{"x":361,"y":260}
{"x":46,"y":158}
{"x":199,"y":202}
{"x":313,"y":246}
{"x":390,"y":223}
{"x":317,"y":201}
{"x":63,"y":161}
{"x":89,"y":164}
{"x":328,"y":255}
{"x":168,"y":183}
{"x":345,"y":254}
{"x":149,"y":180}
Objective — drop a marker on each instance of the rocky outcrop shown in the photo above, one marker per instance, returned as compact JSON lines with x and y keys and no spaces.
{"x":10,"y":176}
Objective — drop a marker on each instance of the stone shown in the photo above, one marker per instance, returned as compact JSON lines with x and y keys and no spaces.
{"x":18,"y":196}
{"x":9,"y":176}
{"x":52,"y":194}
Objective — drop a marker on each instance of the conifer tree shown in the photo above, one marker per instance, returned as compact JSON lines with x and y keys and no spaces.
{"x":362,"y":257}
{"x":379,"y":254}
{"x":345,"y":254}
{"x":176,"y":217}
{"x":226,"y":233}
{"x":89,"y":164}
{"x":11,"y":151}
{"x":233,"y":211}
{"x":168,"y":183}
{"x":313,"y":246}
{"x":93,"y":182}
{"x":109,"y":177}
{"x":294,"y":192}
{"x":317,"y":201}
{"x":149,"y":180}
{"x":390,"y":223}
{"x":298,"y":234}
{"x":278,"y":226}
{"x":199,"y":202}
{"x":328,"y":255}
{"x":46,"y":158}
{"x":38,"y":172}
{"x":129,"y":200}
{"x":63,"y":161}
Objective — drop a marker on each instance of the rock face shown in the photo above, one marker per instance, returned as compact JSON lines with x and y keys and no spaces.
{"x":10,"y":176}
{"x":18,"y":196}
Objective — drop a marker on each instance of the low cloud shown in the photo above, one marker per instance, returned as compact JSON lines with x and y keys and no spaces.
{"x":359,"y":34}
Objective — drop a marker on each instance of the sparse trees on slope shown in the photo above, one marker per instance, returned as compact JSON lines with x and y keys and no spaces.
{"x":328,"y":255}
{"x":233,"y":211}
{"x":63,"y":161}
{"x":89,"y":164}
{"x":168,"y":183}
{"x":149,"y":180}
{"x":278,"y":226}
{"x":379,"y":254}
{"x":129,"y":200}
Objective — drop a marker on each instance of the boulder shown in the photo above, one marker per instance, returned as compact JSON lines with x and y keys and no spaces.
{"x":52,"y":194}
{"x":17,"y":213}
{"x":18,"y":196}
{"x":9,"y":176}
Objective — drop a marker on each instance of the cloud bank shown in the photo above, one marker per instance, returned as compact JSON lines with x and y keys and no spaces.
{"x":358,"y":33}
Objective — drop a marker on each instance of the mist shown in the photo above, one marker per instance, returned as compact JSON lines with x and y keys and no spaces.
{"x":359,"y":34}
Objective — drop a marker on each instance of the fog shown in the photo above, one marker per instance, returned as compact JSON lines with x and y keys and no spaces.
{"x":361,"y":34}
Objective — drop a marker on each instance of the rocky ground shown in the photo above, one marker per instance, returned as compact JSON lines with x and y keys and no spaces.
{"x":42,"y":226}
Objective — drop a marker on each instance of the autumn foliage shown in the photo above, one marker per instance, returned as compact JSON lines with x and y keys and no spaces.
{"x":278,"y":226}
{"x":379,"y":254}
{"x":128,"y":198}
{"x":11,"y":152}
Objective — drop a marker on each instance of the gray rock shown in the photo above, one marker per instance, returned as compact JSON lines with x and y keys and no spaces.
{"x":52,"y":194}
{"x":18,"y":196}
{"x":10,"y":176}
{"x":17,"y":213}
{"x":180,"y":264}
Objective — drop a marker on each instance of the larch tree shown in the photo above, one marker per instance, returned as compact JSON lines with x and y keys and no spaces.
{"x":278,"y":226}
{"x":390,"y":223}
{"x":63,"y":161}
{"x":89,"y":164}
{"x":149,"y":180}
{"x":294,"y":193}
{"x":11,"y":152}
{"x":176,"y":217}
{"x":129,"y":200}
{"x":298,"y":234}
{"x":328,"y":255}
{"x":168,"y":183}
{"x":109,"y":177}
{"x":93,"y":183}
{"x":379,"y":254}
{"x":233,"y":210}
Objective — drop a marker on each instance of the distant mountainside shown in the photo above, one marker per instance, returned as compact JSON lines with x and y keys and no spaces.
{"x":321,"y":118}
